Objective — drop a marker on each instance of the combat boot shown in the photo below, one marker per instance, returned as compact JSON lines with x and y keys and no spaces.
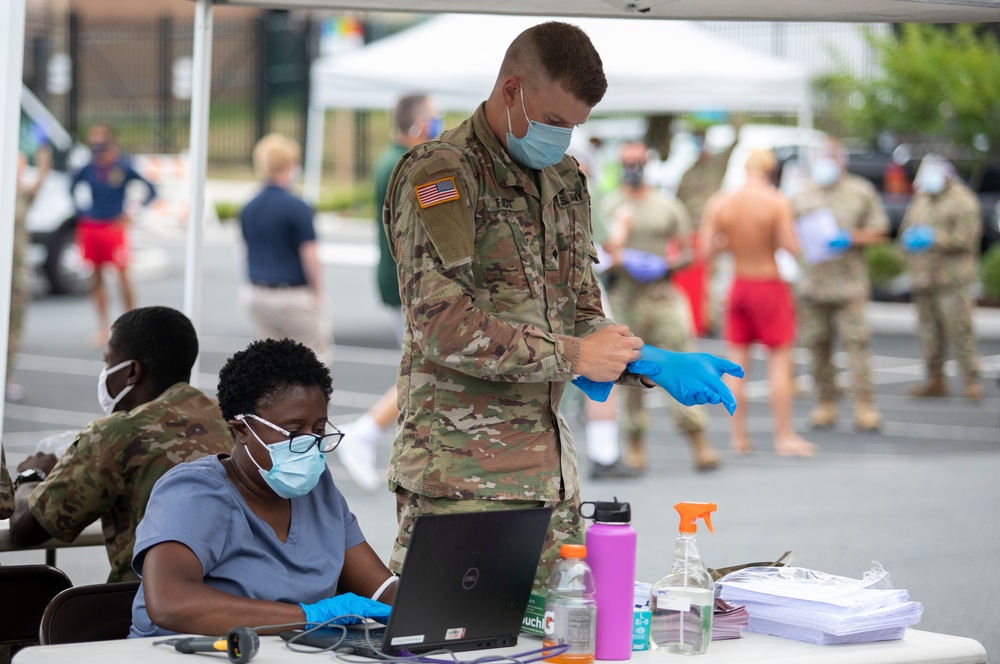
{"x":635,"y":456}
{"x":705,"y":456}
{"x":866,"y":418}
{"x":824,"y":415}
{"x":973,"y":390}
{"x":934,"y":387}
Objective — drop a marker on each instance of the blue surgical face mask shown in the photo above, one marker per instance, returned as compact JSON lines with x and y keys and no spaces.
{"x":543,"y":145}
{"x":825,"y":172}
{"x":292,"y":474}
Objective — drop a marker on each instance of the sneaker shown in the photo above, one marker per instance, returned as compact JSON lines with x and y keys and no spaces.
{"x":356,"y":454}
{"x":617,"y":470}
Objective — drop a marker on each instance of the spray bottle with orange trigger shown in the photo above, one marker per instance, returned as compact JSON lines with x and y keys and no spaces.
{"x":682,"y":602}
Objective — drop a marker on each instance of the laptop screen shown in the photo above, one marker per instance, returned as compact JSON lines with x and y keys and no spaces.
{"x":465,"y":585}
{"x":466,"y":580}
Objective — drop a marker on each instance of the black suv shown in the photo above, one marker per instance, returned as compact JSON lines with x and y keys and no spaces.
{"x":892,"y":174}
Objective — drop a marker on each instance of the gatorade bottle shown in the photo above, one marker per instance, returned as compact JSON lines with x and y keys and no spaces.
{"x":570,"y":607}
{"x":611,"y":545}
{"x":683,"y":601}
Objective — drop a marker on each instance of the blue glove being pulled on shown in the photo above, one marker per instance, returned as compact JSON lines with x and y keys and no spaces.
{"x":840,"y":242}
{"x":691,"y":378}
{"x":644,"y":266}
{"x":348,"y":605}
{"x":918,"y":239}
{"x":599,"y":390}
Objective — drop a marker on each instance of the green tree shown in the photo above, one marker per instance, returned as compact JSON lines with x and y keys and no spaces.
{"x":936,"y":83}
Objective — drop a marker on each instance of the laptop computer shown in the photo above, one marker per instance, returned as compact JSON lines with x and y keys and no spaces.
{"x":465,"y":586}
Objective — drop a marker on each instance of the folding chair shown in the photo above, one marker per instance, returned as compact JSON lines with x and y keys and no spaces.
{"x":26,"y":591}
{"x":99,"y":612}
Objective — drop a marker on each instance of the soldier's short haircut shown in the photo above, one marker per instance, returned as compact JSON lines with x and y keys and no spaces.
{"x":408,"y":110}
{"x":565,"y":54}
{"x":251,"y":378}
{"x":161,"y":339}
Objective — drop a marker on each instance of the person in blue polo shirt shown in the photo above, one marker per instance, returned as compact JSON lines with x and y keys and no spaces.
{"x":284,"y":296}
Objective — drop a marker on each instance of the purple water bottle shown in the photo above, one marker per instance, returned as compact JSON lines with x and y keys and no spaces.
{"x":611,"y":555}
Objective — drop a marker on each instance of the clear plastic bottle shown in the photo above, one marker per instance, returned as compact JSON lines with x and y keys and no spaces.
{"x":682,"y":602}
{"x":570,"y":607}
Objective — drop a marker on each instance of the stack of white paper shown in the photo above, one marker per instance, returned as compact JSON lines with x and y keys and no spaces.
{"x":821,"y":608}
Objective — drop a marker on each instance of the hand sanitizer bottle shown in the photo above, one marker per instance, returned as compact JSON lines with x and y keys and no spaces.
{"x":682,"y":602}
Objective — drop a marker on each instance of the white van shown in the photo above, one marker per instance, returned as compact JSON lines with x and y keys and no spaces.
{"x":51,"y":219}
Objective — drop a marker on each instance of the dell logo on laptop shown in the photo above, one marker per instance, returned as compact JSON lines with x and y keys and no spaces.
{"x":470,"y":578}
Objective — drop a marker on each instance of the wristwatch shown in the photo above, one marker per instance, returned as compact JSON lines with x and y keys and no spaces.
{"x":29,"y":475}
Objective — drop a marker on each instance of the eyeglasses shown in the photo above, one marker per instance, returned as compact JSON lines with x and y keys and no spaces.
{"x":303,"y":442}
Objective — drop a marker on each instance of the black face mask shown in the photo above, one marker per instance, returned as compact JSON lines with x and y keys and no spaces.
{"x":632,"y":175}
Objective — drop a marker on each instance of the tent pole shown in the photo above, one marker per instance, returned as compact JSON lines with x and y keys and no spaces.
{"x":12,"y":34}
{"x":198,"y":157}
{"x":314,"y":151}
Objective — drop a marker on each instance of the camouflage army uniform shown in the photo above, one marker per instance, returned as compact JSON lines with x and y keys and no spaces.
{"x":834,"y":293}
{"x":942,"y":276}
{"x":657,"y":311}
{"x":6,"y":489}
{"x":497,"y":288}
{"x":701,"y":181}
{"x":110,"y":469}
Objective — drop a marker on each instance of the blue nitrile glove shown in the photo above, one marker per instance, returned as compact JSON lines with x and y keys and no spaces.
{"x":692,"y":378}
{"x":347,"y":604}
{"x":599,"y":390}
{"x":840,"y":242}
{"x":644,"y":266}
{"x":918,"y":239}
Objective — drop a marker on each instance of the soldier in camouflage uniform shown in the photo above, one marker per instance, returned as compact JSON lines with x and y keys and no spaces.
{"x":647,"y":221}
{"x":833,"y":293}
{"x":941,"y":232}
{"x":6,"y":488}
{"x":490,"y":229}
{"x":155,"y":421}
{"x":700,"y":182}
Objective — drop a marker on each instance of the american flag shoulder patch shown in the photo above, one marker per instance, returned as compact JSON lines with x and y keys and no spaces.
{"x":439,"y":191}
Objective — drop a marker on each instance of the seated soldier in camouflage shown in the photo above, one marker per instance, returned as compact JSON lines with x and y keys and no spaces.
{"x":155,"y":420}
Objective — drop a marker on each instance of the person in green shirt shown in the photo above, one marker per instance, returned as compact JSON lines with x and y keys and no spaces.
{"x":415,"y":121}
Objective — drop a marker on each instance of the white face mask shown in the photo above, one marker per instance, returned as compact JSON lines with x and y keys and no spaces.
{"x":104,"y":397}
{"x":825,"y":172}
{"x":932,"y":181}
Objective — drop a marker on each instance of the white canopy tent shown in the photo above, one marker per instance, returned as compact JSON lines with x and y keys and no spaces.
{"x":12,"y":16}
{"x":651,"y":66}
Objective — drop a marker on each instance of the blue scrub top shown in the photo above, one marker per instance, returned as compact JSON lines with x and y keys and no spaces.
{"x":196,"y":504}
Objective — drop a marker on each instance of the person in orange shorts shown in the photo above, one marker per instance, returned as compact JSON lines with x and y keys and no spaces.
{"x":751,"y":224}
{"x":101,"y":229}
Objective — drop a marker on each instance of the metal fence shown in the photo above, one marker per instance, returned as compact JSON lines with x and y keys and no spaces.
{"x":135,"y":74}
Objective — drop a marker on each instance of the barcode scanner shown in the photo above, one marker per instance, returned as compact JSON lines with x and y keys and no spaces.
{"x":240,"y":644}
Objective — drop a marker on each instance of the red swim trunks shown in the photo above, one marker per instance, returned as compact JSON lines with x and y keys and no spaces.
{"x":760,"y":310}
{"x":102,"y":241}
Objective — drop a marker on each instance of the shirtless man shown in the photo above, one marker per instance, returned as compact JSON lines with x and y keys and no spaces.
{"x":752,"y":224}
